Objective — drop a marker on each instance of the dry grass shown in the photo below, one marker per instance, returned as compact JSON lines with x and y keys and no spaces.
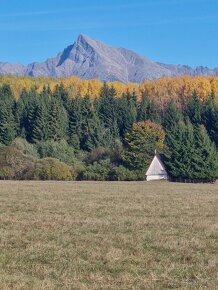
{"x":89,"y":235}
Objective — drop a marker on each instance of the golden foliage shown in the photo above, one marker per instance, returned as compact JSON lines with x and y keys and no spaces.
{"x":180,"y":89}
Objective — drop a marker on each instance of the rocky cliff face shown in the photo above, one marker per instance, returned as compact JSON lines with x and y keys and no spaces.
{"x":88,"y":58}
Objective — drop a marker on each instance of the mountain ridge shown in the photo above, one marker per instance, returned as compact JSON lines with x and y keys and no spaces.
{"x":88,"y":58}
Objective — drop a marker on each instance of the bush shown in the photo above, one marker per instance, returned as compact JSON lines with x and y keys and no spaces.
{"x":60,"y":150}
{"x":97,"y":171}
{"x":52,"y":169}
{"x":122,"y":173}
{"x":25,"y":147}
{"x":15,"y":165}
{"x":98,"y":154}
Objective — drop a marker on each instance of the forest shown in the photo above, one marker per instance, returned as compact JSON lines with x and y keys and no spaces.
{"x":73,"y":129}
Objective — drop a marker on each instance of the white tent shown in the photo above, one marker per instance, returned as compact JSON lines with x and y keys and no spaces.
{"x":156,"y":170}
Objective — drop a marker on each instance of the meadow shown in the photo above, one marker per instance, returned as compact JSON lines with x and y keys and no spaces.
{"x":108,"y":235}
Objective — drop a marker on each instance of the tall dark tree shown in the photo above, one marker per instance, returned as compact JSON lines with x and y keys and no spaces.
{"x":127,"y":113}
{"x":152,"y":112}
{"x":58,"y":120}
{"x":193,"y":109}
{"x":191,"y":154}
{"x":7,"y":124}
{"x":75,"y":122}
{"x":107,"y":110}
{"x":92,"y":131}
{"x":210,"y":118}
{"x":143,"y":109}
{"x":7,"y":120}
{"x":171,"y":117}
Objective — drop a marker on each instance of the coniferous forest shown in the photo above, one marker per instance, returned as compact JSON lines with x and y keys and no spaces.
{"x":52,"y":135}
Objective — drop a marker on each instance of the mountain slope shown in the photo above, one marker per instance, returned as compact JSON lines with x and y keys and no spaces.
{"x":88,"y":58}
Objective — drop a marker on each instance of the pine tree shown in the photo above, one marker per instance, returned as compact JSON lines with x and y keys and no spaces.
{"x":75,"y":122}
{"x":58,"y":120}
{"x":107,"y":111}
{"x":153,"y":113}
{"x":25,"y":113}
{"x":92,"y":133}
{"x":127,"y":113}
{"x":191,"y":154}
{"x":7,"y":119}
{"x":193,"y":109}
{"x":40,"y":125}
{"x":205,"y":159}
{"x":171,"y":117}
{"x":180,"y":149}
{"x":210,"y":119}
{"x":143,"y":109}
{"x":7,"y":124}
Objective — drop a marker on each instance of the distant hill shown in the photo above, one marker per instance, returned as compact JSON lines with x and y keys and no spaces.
{"x":88,"y":59}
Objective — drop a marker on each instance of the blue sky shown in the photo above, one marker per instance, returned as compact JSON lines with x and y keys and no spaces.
{"x":168,"y":31}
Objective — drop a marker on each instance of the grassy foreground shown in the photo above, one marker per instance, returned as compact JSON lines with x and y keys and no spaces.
{"x":108,"y":235}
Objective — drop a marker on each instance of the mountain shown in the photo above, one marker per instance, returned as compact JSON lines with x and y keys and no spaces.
{"x":88,"y":58}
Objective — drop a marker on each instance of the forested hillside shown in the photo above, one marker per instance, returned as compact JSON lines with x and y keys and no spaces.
{"x":84,"y":129}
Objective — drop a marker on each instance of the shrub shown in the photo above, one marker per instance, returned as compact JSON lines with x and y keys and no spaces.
{"x":98,"y":154}
{"x":52,"y":169}
{"x":60,"y":150}
{"x":15,"y":165}
{"x":25,"y":147}
{"x":97,"y":171}
{"x":121,"y":173}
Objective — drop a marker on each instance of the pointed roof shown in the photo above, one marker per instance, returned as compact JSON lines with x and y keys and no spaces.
{"x":157,"y":166}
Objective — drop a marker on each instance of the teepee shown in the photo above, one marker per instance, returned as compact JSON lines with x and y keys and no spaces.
{"x":156,"y":170}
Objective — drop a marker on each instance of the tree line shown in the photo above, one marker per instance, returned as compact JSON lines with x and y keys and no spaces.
{"x":110,"y":137}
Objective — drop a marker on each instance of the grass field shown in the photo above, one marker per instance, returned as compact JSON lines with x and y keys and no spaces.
{"x":108,"y":235}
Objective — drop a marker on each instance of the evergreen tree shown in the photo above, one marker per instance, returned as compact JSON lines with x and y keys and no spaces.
{"x":61,"y":94}
{"x":107,"y":111}
{"x":153,"y":113}
{"x":180,"y":147}
{"x":171,"y":117}
{"x":193,"y":109}
{"x":92,"y":131}
{"x":127,"y":113}
{"x":25,"y":113}
{"x":7,"y":120}
{"x":205,"y":159}
{"x":210,"y":119}
{"x":143,"y":109}
{"x":75,"y":122}
{"x":41,"y":125}
{"x":58,"y":120}
{"x":191,"y":154}
{"x":7,"y":124}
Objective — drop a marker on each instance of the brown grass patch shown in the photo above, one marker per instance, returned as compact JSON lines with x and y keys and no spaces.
{"x":108,"y":235}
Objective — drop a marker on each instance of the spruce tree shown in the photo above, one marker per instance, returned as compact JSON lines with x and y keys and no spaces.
{"x":127,"y":113}
{"x":57,"y":120}
{"x":191,"y":155}
{"x":92,"y":133}
{"x":205,"y":159}
{"x":210,"y":118}
{"x":193,"y":109}
{"x":7,"y":124}
{"x":152,"y":112}
{"x":107,"y":111}
{"x":143,"y":109}
{"x":75,"y":122}
{"x":172,"y":117}
{"x":7,"y":119}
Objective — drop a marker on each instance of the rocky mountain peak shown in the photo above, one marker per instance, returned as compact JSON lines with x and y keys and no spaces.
{"x":89,"y":58}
